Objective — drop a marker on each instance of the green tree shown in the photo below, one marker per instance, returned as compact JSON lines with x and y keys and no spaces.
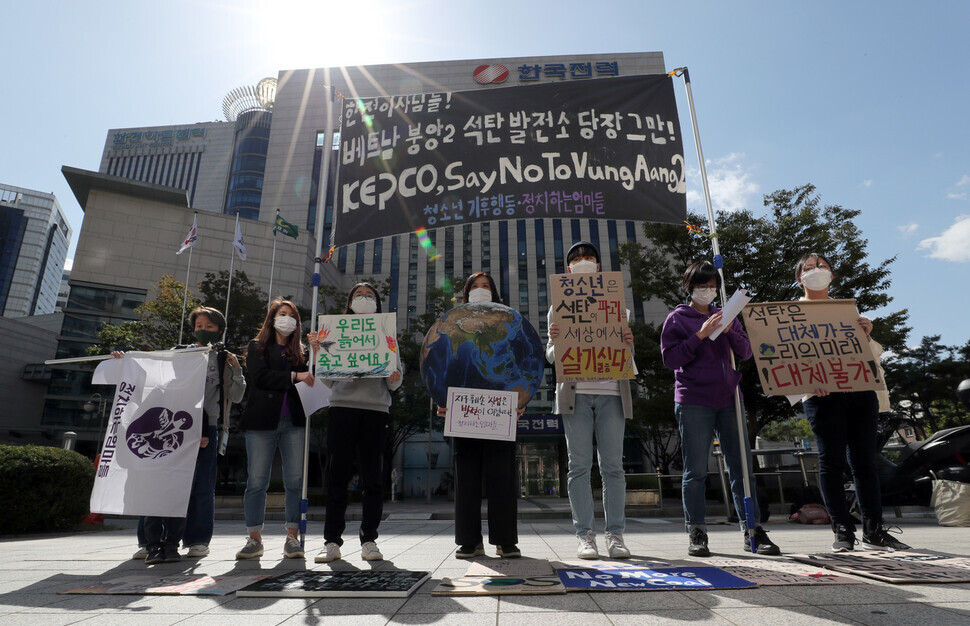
{"x":760,"y":253}
{"x":922,"y":383}
{"x":158,"y":325}
{"x":247,"y":306}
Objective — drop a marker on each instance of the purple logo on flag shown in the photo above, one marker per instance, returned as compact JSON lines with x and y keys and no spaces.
{"x":158,"y":432}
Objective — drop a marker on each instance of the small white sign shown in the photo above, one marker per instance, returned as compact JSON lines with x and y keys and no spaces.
{"x":481,"y":414}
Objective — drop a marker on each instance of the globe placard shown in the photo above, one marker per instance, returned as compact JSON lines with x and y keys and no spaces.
{"x":484,"y":345}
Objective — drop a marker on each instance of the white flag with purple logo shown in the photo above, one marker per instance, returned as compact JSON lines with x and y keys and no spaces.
{"x":152,"y":442}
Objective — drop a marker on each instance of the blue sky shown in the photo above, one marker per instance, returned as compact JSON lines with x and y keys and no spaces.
{"x":866,"y":100}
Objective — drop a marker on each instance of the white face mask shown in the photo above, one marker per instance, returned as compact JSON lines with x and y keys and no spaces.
{"x":363,"y":305}
{"x":284,"y":325}
{"x":583,"y":267}
{"x":480,"y":294}
{"x":703,"y":295}
{"x":817,"y":279}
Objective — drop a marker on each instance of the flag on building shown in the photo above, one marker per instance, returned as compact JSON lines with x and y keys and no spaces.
{"x":282,"y":226}
{"x":238,"y":242}
{"x":152,"y":441}
{"x":192,"y":237}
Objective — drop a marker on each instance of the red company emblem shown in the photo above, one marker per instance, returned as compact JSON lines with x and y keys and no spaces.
{"x":487,"y":74}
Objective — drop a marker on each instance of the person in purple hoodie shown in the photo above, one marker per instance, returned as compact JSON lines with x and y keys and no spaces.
{"x":704,"y":384}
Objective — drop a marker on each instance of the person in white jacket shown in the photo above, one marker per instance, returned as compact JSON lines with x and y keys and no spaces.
{"x":588,"y":409}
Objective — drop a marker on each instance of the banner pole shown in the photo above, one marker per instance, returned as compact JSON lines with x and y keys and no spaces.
{"x":750,"y":522}
{"x":318,"y":226}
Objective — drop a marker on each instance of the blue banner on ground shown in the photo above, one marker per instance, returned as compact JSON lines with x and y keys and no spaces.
{"x":608,"y":148}
{"x":680,"y":578}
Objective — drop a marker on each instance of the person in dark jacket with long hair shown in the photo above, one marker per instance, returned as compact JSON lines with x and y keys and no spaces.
{"x":704,"y":386}
{"x":484,"y":458}
{"x":274,"y":418}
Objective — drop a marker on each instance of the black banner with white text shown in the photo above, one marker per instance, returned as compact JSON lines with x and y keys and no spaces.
{"x":602,"y":148}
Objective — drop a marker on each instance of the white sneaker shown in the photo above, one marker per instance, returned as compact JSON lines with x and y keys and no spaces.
{"x":330,"y":552}
{"x":587,"y":547}
{"x":140,"y":554}
{"x":369,"y":552}
{"x":292,"y":548}
{"x":616,"y":547}
{"x":197,"y":551}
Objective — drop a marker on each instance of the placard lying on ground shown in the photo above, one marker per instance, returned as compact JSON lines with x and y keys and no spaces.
{"x":169,"y":585}
{"x":481,"y":414}
{"x":909,"y":566}
{"x":499,"y":586}
{"x":357,"y":346}
{"x":631,"y":563}
{"x":678,"y":578}
{"x":510,"y":567}
{"x":778,"y":572}
{"x":356,"y":584}
{"x":590,"y":310}
{"x":803,"y":345}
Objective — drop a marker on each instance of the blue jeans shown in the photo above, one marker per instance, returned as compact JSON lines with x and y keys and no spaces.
{"x":845,"y":425}
{"x":202,"y":501}
{"x":601,"y":415}
{"x":260,"y":449}
{"x":698,"y":426}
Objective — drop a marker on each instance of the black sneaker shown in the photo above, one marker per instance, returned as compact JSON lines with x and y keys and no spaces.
{"x":510,"y":551}
{"x":172,"y":554}
{"x":156,"y":555}
{"x":698,"y":543}
{"x":880,"y":539}
{"x":844,"y":539}
{"x":762,"y":545}
{"x":468,"y":552}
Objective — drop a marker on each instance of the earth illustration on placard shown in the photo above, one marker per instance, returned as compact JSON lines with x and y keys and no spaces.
{"x":484,"y":345}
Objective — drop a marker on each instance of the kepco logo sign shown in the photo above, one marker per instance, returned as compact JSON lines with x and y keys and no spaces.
{"x":490,"y":74}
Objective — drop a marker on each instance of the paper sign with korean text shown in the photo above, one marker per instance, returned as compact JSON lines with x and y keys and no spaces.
{"x":357,"y":346}
{"x":590,"y":310}
{"x":804,"y":345}
{"x":481,"y":414}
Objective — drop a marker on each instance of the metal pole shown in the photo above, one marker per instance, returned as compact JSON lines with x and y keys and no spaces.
{"x":321,"y":207}
{"x":750,"y":520}
{"x":232,"y":258}
{"x":185,"y":291}
{"x":427,"y":482}
{"x":272,"y":266}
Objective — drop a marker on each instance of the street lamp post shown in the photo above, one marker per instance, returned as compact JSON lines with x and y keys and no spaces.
{"x":98,"y":403}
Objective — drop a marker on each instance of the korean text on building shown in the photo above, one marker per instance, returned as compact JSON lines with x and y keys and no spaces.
{"x":606,"y":148}
{"x":590,"y":310}
{"x":807,"y":345}
{"x":357,"y":346}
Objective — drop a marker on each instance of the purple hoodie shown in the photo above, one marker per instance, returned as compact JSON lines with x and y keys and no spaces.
{"x":702,"y":368}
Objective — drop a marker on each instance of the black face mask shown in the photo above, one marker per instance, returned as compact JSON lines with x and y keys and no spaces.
{"x":205,"y":337}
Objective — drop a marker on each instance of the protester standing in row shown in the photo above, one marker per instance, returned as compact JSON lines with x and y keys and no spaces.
{"x":591,"y":409}
{"x":845,"y":426}
{"x":492,"y":460}
{"x":158,"y":537}
{"x":356,"y":432}
{"x":704,"y":386}
{"x":275,"y":360}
